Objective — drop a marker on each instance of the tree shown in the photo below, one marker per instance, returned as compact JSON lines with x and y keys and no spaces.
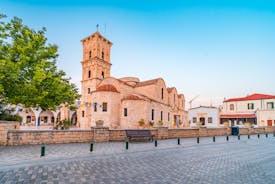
{"x":28,"y":72}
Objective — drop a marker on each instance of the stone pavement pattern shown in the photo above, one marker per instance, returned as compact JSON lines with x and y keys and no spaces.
{"x":244,"y":161}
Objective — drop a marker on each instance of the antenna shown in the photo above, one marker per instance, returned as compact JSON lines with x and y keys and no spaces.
{"x":105,"y":27}
{"x":97,"y":27}
{"x":190,"y":102}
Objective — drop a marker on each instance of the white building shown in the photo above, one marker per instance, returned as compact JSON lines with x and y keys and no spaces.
{"x":208,"y":116}
{"x":257,"y":109}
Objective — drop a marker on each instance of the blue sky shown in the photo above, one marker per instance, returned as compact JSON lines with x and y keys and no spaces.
{"x":214,"y":49}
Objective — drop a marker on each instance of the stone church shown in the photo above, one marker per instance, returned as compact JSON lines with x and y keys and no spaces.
{"x":125,"y":102}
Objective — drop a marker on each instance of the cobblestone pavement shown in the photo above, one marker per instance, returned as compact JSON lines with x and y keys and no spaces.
{"x":236,"y":161}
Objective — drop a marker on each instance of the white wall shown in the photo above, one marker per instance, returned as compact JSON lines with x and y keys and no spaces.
{"x":210,"y":112}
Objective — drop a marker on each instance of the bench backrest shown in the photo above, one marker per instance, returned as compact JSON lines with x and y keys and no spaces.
{"x":138,"y":133}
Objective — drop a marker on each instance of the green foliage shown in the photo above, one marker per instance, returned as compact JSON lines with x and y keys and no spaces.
{"x":7,"y":114}
{"x":141,"y":122}
{"x":72,"y":107}
{"x":10,"y":117}
{"x":160,"y":122}
{"x":28,"y":72}
{"x":63,"y":124}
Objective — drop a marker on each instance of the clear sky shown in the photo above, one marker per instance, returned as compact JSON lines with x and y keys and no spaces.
{"x":214,"y":49}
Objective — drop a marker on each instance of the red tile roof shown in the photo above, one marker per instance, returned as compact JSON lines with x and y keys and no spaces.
{"x":238,"y":115}
{"x":107,"y":87}
{"x":251,"y":97}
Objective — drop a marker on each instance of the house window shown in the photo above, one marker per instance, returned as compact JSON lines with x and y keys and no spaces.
{"x":104,"y":107}
{"x":210,"y":120}
{"x":168,"y":116}
{"x":194,"y":120}
{"x":90,"y":54}
{"x":89,"y":74}
{"x":89,"y":90}
{"x":102,"y":75}
{"x":161,"y":115}
{"x":270,"y":105}
{"x":162,"y":93}
{"x":83,"y":113}
{"x":152,"y":115}
{"x":250,"y":106}
{"x":125,"y":112}
{"x":95,"y":107}
{"x":102,"y":55}
{"x":231,"y":107}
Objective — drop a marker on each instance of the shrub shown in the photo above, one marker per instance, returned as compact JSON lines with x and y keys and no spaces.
{"x":160,"y":122}
{"x":141,"y":122}
{"x":9,"y":117}
{"x":63,"y":124}
{"x":151,"y":123}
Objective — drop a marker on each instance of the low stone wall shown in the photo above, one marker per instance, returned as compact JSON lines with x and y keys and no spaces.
{"x":5,"y":126}
{"x":23,"y":137}
{"x":10,"y":135}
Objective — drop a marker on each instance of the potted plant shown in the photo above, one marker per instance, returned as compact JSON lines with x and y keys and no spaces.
{"x":141,"y":122}
{"x":151,"y":123}
{"x":247,"y":124}
{"x":198,"y":124}
{"x":99,"y":123}
{"x":180,"y":122}
{"x":226,"y":123}
{"x":160,"y":123}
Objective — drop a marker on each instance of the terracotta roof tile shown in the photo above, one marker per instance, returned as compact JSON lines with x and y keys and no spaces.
{"x":251,"y":97}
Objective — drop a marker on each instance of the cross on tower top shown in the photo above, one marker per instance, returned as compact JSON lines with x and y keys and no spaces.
{"x":97,"y":27}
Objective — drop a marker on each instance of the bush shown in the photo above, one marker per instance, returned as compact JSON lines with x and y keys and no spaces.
{"x":63,"y":124}
{"x":151,"y":123}
{"x":9,"y":117}
{"x":141,"y":122}
{"x":160,"y":122}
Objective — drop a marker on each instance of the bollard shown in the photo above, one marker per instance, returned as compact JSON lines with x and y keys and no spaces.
{"x":266,"y":135}
{"x":178,"y":141}
{"x":156,"y":143}
{"x":227,"y":138}
{"x":258,"y":136}
{"x":248,"y":136}
{"x":91,"y":146}
{"x":198,"y":140}
{"x":239,"y":137}
{"x":43,"y":149}
{"x":127,"y":144}
{"x":214,"y":139}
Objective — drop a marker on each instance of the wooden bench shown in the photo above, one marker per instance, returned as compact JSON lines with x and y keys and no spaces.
{"x":139,"y":134}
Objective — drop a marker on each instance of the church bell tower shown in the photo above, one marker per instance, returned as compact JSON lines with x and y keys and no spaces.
{"x":96,"y":63}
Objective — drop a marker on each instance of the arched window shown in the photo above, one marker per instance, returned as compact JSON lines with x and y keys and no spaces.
{"x":102,"y":55}
{"x":102,"y":75}
{"x":90,"y":54}
{"x":89,"y":90}
{"x":162,"y":93}
{"x":89,"y":74}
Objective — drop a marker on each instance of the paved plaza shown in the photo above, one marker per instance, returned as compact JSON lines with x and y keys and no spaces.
{"x":234,"y":161}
